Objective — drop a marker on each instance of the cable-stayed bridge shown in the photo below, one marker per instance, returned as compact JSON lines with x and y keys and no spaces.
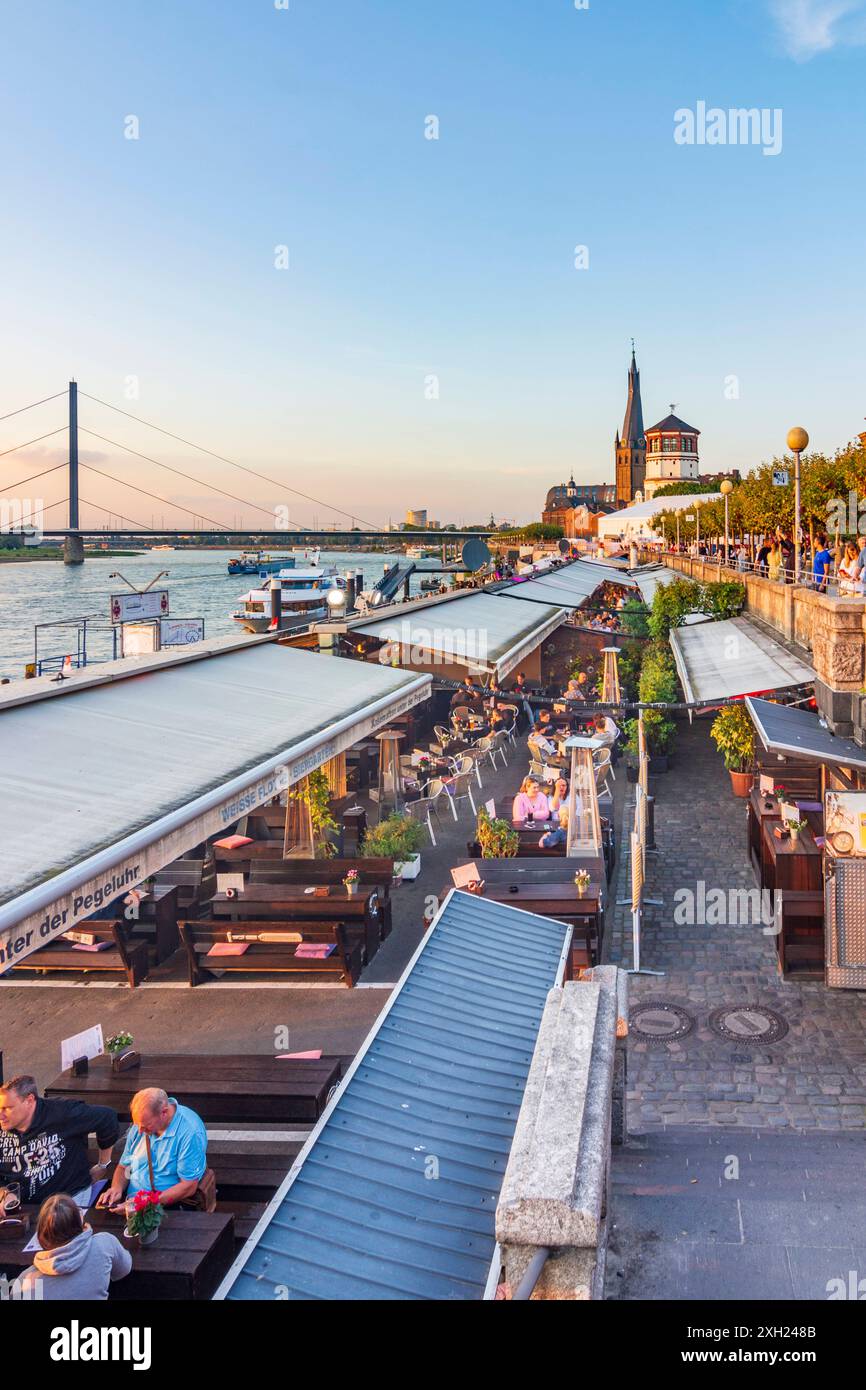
{"x":274,"y":529}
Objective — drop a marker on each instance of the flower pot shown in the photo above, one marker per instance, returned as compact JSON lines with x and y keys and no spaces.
{"x":659,"y":762}
{"x":408,"y":868}
{"x":741,"y":782}
{"x":150,"y":1239}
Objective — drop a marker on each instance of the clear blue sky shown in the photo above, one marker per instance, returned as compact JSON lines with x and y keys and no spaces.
{"x":259,"y":127}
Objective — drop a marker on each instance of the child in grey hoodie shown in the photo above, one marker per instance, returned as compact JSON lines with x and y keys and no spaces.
{"x":75,"y":1262}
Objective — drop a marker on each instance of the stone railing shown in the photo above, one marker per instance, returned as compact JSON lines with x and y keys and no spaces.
{"x":555,"y":1190}
{"x":832,"y":629}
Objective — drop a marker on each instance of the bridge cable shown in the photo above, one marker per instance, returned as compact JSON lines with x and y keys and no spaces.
{"x":22,"y":482}
{"x":222,"y":459}
{"x":155,"y":495}
{"x":33,"y":405}
{"x":245,"y":501}
{"x":16,"y":447}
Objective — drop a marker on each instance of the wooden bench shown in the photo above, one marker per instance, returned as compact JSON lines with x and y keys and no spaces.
{"x":125,"y":956}
{"x":190,"y":878}
{"x":264,"y":863}
{"x":271,"y":956}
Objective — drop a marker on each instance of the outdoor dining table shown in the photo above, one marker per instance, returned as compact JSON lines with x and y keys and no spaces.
{"x":292,"y":902}
{"x":239,"y":1090}
{"x":556,"y":897}
{"x":186,"y":1263}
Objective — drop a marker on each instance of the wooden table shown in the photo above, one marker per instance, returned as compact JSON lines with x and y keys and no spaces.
{"x":290,"y":902}
{"x":187,"y":1262}
{"x":758,"y":813}
{"x":789,"y":865}
{"x":551,"y":896}
{"x":237,"y":1090}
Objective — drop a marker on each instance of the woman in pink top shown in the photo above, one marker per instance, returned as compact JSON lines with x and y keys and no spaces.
{"x":530,"y":801}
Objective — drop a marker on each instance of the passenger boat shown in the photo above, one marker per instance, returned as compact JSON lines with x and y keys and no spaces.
{"x":256,"y":562}
{"x":303,"y":598}
{"x":421,"y":552}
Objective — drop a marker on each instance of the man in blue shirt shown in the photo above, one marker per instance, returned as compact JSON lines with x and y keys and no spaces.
{"x":821,"y":564}
{"x":178,"y":1151}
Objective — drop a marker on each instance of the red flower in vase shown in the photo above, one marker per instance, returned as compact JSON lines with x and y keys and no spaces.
{"x":143,"y":1199}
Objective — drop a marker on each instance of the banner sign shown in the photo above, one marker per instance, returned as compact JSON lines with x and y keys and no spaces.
{"x":126,"y":608}
{"x":179,"y":632}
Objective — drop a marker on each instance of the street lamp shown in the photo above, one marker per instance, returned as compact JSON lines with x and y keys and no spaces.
{"x":726,"y":489}
{"x":798,"y":440}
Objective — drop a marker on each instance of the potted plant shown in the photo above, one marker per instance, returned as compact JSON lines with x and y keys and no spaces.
{"x":351,"y":882}
{"x":399,"y":838}
{"x":733,"y":733}
{"x":120,"y":1050}
{"x":315,"y":792}
{"x":498,"y":839}
{"x":581,"y":881}
{"x":144,"y":1220}
{"x":795,"y":826}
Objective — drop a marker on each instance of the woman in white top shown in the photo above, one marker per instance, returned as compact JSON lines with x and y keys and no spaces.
{"x":848,"y":572}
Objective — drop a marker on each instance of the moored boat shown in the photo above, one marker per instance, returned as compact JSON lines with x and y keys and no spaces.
{"x":303,"y":599}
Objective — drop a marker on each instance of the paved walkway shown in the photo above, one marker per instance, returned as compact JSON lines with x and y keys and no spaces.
{"x":813,"y":1078}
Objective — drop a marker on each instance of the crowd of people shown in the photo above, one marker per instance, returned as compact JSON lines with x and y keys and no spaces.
{"x":44,"y":1161}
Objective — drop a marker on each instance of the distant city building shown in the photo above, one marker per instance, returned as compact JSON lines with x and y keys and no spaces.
{"x":630,"y":448}
{"x":417,"y":518}
{"x":576,"y":507}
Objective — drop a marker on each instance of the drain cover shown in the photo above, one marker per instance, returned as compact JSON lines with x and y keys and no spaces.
{"x":660,"y":1022}
{"x":748,"y":1022}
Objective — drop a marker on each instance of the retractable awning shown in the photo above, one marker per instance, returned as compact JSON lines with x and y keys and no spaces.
{"x":113,"y":780}
{"x":718,"y":661}
{"x":484,"y":632}
{"x":570,"y":586}
{"x":798,"y":733}
{"x":653,"y":579}
{"x":394,"y":1194}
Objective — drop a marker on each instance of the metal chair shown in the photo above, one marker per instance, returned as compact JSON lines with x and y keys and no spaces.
{"x":443,"y":736}
{"x":510,"y":714}
{"x":485,"y":751}
{"x":601,"y":763}
{"x":499,"y":740}
{"x":460,"y":789}
{"x":420,"y":810}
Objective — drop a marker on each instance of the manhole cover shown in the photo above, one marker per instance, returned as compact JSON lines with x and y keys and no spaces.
{"x":748,"y":1022}
{"x":660,"y":1022}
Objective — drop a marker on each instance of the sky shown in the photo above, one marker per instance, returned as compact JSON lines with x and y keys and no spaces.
{"x":284,"y":268}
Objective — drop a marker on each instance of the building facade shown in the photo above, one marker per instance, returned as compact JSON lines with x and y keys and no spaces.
{"x":671,"y":454}
{"x":630,"y":447}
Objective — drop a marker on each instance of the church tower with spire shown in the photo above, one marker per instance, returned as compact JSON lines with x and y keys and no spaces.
{"x":631,"y":447}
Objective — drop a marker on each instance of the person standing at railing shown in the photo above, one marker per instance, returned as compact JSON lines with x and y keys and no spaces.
{"x":849,"y":570}
{"x":762,"y":557}
{"x":821,"y":563}
{"x":775,"y":562}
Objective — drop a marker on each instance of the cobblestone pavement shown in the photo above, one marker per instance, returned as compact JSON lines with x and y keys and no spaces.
{"x":813,"y":1078}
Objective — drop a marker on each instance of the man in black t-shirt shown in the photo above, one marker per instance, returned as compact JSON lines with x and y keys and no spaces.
{"x":43,"y":1143}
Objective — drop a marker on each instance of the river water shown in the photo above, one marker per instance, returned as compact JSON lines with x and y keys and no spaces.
{"x":46,"y":591}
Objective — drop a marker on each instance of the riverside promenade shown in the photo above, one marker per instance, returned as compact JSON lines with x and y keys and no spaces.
{"x":746,"y":1164}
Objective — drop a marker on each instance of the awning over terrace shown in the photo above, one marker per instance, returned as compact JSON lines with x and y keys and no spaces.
{"x":797,"y":733}
{"x":570,"y":586}
{"x":110,"y":783}
{"x":484,"y":632}
{"x":394,"y":1194}
{"x":652,"y":579}
{"x":717,"y":661}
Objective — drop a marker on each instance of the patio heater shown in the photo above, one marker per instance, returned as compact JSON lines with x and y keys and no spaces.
{"x":610,"y":691}
{"x":584,"y":821}
{"x":390,"y":789}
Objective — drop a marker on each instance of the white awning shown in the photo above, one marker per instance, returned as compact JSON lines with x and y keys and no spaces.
{"x":652,"y":579}
{"x":484,"y":632}
{"x":797,"y":733}
{"x":111,"y":782}
{"x":717,"y":661}
{"x":570,"y":586}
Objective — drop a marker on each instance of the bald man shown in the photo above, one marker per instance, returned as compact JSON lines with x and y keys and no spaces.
{"x":178,"y":1151}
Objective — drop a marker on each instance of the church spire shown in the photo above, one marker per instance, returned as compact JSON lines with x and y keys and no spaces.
{"x":632,"y":428}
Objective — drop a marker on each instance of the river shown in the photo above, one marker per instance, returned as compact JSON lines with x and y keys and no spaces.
{"x":47,"y":591}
